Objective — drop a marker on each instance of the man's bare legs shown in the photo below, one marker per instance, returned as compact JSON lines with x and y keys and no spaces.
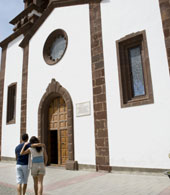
{"x":24,"y":188}
{"x":19,"y":189}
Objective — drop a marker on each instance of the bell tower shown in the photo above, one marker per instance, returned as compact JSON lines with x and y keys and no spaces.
{"x":32,"y":11}
{"x":40,"y":3}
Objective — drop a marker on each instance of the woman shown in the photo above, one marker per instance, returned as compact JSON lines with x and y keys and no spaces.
{"x":38,"y":162}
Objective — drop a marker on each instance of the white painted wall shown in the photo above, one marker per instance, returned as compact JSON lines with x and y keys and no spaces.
{"x":13,"y":73}
{"x":73,"y":72}
{"x":138,"y":136}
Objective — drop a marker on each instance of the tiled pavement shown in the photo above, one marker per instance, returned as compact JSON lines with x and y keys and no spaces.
{"x":61,"y":182}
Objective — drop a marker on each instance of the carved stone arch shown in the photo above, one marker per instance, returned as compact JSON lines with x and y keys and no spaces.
{"x":54,"y":90}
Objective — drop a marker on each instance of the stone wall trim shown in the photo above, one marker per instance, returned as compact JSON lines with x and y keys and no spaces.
{"x":24,"y":91}
{"x":46,"y":13}
{"x":2,"y":78}
{"x":99,"y":92}
{"x":165,"y":15}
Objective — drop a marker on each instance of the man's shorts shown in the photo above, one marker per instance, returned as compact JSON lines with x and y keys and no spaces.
{"x":37,"y":169}
{"x":22,"y":173}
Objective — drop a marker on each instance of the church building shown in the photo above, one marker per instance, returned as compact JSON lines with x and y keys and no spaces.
{"x":90,"y":79}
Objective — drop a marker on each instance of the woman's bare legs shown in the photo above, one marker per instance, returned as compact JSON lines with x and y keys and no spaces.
{"x":35,"y":178}
{"x":40,"y":184}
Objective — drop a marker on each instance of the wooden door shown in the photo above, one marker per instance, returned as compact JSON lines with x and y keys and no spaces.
{"x":58,"y":123}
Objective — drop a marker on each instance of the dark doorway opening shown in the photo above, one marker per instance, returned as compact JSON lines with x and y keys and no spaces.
{"x":54,"y":147}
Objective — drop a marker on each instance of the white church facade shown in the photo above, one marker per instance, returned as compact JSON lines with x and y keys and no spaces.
{"x":91,"y":79}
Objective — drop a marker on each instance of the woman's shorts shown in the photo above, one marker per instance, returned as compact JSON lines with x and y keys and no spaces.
{"x":37,"y":169}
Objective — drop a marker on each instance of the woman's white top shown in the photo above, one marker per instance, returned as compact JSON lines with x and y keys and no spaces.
{"x":36,"y":157}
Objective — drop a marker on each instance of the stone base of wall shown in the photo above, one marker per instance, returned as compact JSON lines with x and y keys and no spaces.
{"x":106,"y":168}
{"x":123,"y":169}
{"x":86,"y":167}
{"x":137,"y":169}
{"x":71,"y":165}
{"x":4,"y":158}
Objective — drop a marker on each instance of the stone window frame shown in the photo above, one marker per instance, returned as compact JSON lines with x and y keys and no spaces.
{"x":122,"y":45}
{"x":48,"y":44}
{"x":9,"y":107}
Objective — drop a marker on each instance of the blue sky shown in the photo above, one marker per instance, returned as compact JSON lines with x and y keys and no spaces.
{"x":8,"y":10}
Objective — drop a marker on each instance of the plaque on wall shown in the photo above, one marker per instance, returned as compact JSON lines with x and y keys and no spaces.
{"x":83,"y":109}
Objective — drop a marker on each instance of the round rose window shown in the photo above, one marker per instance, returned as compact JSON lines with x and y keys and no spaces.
{"x":55,"y":46}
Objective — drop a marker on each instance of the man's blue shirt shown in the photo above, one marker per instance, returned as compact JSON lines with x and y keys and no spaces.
{"x":21,"y":159}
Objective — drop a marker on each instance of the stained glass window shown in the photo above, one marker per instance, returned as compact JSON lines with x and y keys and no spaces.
{"x":55,"y":46}
{"x":137,"y":71}
{"x":58,"y":48}
{"x":134,"y":70}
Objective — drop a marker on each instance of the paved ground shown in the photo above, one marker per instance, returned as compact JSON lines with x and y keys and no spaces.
{"x":61,"y":182}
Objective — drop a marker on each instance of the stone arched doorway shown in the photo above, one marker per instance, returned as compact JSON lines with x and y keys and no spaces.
{"x":58,"y":136}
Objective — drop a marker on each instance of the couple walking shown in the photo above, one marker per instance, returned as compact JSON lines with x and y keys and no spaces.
{"x":30,"y":155}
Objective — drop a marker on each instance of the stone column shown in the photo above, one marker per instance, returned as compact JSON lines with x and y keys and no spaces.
{"x":24,"y":91}
{"x":165,"y":14}
{"x":2,"y":77}
{"x":99,"y":90}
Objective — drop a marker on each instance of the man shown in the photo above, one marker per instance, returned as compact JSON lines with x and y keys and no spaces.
{"x":22,"y":171}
